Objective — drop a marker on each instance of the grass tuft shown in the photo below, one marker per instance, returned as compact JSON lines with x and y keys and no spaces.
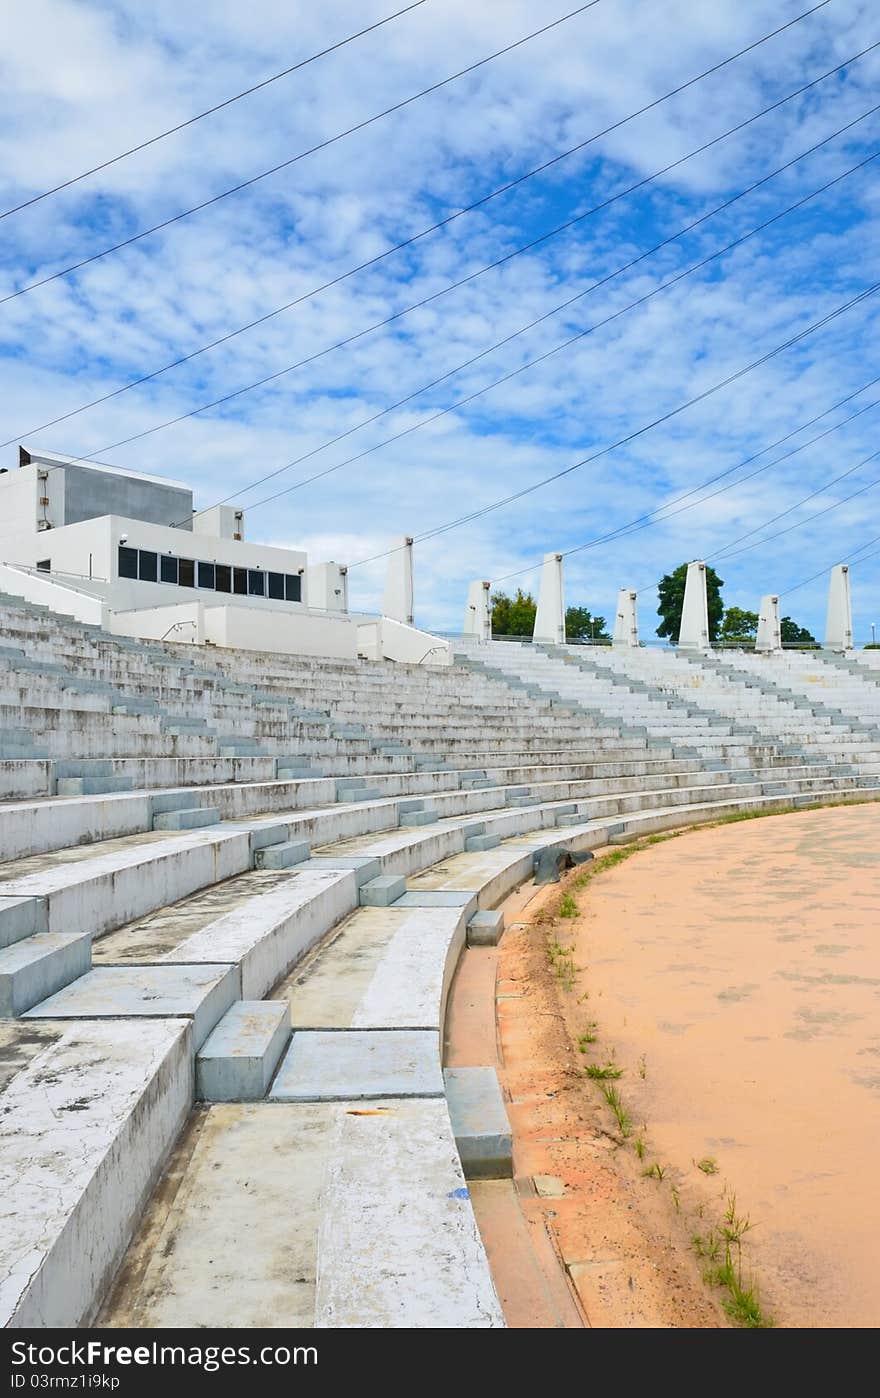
{"x":621,"y":1115}
{"x":608,"y":1073}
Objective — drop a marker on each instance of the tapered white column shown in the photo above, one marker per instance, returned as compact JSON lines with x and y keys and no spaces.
{"x":550,"y":616}
{"x":477,"y":613}
{"x":769,"y":635}
{"x":397,"y":599}
{"x":626,"y":623}
{"x":838,"y":622}
{"x":694,"y":633}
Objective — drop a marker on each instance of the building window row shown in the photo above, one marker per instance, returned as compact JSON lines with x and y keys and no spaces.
{"x":148,"y":566}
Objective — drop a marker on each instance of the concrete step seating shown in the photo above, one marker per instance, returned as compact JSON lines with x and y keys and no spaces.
{"x":268,"y":921}
{"x":692,"y":697}
{"x":246,"y":952}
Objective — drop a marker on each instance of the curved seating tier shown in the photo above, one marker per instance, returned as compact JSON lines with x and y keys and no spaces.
{"x":183,"y":924}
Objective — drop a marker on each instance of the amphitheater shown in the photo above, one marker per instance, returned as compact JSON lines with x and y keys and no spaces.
{"x":245,"y":879}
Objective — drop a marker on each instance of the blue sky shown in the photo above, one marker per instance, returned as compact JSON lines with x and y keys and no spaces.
{"x":82,"y":80}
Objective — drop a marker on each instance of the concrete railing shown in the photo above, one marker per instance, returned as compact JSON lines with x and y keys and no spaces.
{"x":38,"y":587}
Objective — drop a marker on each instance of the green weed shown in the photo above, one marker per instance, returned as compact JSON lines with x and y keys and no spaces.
{"x":621,"y":1115}
{"x":609,"y":1073}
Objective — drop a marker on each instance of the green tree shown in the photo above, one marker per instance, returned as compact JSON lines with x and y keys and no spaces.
{"x":671,"y":592}
{"x":513,"y":616}
{"x":793,"y":635}
{"x":739,"y":627}
{"x":581,"y":625}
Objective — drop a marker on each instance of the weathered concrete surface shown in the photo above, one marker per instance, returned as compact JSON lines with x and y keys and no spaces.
{"x":199,"y":993}
{"x":233,"y":1242}
{"x":490,"y":874}
{"x":92,"y":891}
{"x":84,"y":1128}
{"x":486,"y":928}
{"x":237,"y":1061}
{"x":149,"y":938}
{"x":438,"y":898}
{"x":21,"y":917}
{"x":401,"y":1249}
{"x":20,"y":1042}
{"x":35,"y":967}
{"x":479,"y":1122}
{"x":269,"y":934}
{"x":359,"y":1065}
{"x":382,"y":891}
{"x":398,"y":1244}
{"x":388,"y":968}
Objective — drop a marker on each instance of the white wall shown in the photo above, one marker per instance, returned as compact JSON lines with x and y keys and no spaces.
{"x":328,"y":587}
{"x":184,"y":623}
{"x":386,"y":639}
{"x":87,"y":554}
{"x":40,"y":588}
{"x":291,"y":633}
{"x":77,"y":551}
{"x":18,"y":516}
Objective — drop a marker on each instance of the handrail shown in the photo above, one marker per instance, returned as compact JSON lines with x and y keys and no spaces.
{"x":50,"y":577}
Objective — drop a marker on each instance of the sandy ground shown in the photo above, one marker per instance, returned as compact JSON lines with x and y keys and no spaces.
{"x":734,"y":975}
{"x":579,"y":1237}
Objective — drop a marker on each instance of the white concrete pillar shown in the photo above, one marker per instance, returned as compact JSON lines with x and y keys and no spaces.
{"x":769,"y":636}
{"x":550,"y":616}
{"x":838,"y":621}
{"x":694,"y":633}
{"x":397,"y":599}
{"x":327,"y":587}
{"x":626,"y":623}
{"x":477,"y":613}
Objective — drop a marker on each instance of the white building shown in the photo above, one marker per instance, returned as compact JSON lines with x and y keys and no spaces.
{"x":128,"y":551}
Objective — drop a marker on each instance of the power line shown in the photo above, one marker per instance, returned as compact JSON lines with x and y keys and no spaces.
{"x":846,"y":559}
{"x":818,"y":513}
{"x":294,"y":159}
{"x":653,"y":517}
{"x":538,"y":359}
{"x":210,"y":111}
{"x":516,"y":252}
{"x":432,"y":228}
{"x":728,"y":550}
{"x":637,"y":432}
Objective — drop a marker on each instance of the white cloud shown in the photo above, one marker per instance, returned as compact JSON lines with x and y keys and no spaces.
{"x":79,"y":81}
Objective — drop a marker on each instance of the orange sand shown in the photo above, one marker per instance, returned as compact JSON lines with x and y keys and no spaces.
{"x":741,"y":965}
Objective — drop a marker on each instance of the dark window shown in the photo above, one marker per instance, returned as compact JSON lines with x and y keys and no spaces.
{"x":206,"y":575}
{"x":128,"y":562}
{"x":256,"y":583}
{"x":292,"y":587}
{"x":276,"y":585}
{"x":239,"y":581}
{"x":149,"y":564}
{"x":224,"y":577}
{"x":44,"y":565}
{"x":168,"y":568}
{"x":186,"y":572}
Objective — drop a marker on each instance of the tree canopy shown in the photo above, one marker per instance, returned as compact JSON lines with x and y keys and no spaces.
{"x":671,"y":591}
{"x":739,"y":627}
{"x":581,"y":625}
{"x":793,"y":635}
{"x":515,"y":616}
